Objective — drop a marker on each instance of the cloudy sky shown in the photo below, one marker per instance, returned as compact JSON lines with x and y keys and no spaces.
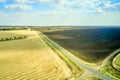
{"x":60,"y":12}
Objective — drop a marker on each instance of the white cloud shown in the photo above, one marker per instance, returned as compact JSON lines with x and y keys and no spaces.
{"x":113,"y":8}
{"x":59,"y":19}
{"x":2,"y":0}
{"x":2,"y":13}
{"x":44,"y":1}
{"x":87,"y":6}
{"x":25,"y":1}
{"x":63,"y":12}
{"x":79,"y":6}
{"x":18,"y":6}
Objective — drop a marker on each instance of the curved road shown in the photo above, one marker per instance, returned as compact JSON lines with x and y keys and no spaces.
{"x":109,"y":57}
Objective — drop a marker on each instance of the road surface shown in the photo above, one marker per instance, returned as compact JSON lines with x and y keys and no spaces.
{"x":109,"y":57}
{"x":74,"y":59}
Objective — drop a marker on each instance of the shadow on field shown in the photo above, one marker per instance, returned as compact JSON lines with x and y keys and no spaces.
{"x":91,"y":45}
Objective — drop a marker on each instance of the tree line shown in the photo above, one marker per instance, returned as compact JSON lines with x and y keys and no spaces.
{"x":12,"y":38}
{"x":14,"y":28}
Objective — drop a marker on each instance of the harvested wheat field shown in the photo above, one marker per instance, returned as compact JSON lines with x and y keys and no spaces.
{"x":30,"y":58}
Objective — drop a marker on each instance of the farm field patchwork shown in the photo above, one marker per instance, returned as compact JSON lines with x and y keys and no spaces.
{"x":94,"y":45}
{"x":30,"y":59}
{"x":30,"y":55}
{"x":89,"y":44}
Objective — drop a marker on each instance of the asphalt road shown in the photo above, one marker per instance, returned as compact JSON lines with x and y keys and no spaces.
{"x":109,"y":57}
{"x":74,"y":59}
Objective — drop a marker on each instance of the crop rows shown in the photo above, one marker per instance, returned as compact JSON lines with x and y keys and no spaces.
{"x":30,"y":59}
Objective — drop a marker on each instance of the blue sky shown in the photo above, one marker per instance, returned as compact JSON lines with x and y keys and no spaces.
{"x":60,"y":12}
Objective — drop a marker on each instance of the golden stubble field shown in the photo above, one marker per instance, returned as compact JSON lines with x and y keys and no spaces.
{"x":30,"y":59}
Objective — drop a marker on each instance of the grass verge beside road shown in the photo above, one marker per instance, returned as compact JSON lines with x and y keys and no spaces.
{"x":77,"y":71}
{"x":110,"y":71}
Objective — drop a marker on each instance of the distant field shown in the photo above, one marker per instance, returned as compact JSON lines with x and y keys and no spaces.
{"x":91,"y":45}
{"x":26,"y":54}
{"x":31,"y":59}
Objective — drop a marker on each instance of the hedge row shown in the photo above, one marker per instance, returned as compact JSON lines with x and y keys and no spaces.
{"x":13,"y":38}
{"x":7,"y":29}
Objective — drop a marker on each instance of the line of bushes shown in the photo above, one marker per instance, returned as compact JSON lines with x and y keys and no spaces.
{"x":13,"y":38}
{"x":7,"y":29}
